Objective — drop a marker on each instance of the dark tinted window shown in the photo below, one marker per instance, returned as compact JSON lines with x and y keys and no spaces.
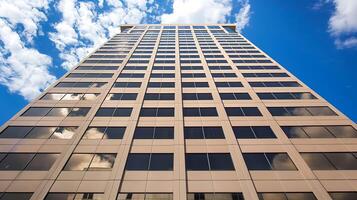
{"x":78,"y":112}
{"x":15,"y":132}
{"x":161,"y":84}
{"x":127,"y":84}
{"x":268,"y":161}
{"x":85,"y":161}
{"x":121,"y":96}
{"x":159,"y":96}
{"x":208,"y":132}
{"x":42,"y":162}
{"x":203,"y":112}
{"x":215,"y":196}
{"x":286,"y":196}
{"x":15,"y":195}
{"x":209,"y":161}
{"x":27,"y":161}
{"x":157,"y":112}
{"x":331,"y":161}
{"x":33,"y":111}
{"x":338,"y":131}
{"x":115,"y":112}
{"x":154,"y":133}
{"x":343,"y":195}
{"x":147,"y":161}
{"x":246,"y":132}
{"x":104,"y":133}
{"x":235,"y":96}
{"x":229,"y":84}
{"x":197,"y":96}
{"x":243,"y":111}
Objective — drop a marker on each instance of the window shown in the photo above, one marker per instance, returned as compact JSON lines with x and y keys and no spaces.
{"x":275,"y":84}
{"x":253,"y":132}
{"x":121,"y":96}
{"x":258,"y":75}
{"x":229,"y":84}
{"x":131,"y":75}
{"x":223,"y":75}
{"x":161,"y":84}
{"x":127,"y":84}
{"x":191,"y":68}
{"x":104,"y":133}
{"x":56,"y":112}
{"x":243,"y":111}
{"x":35,"y":132}
{"x":74,"y":196}
{"x":331,"y":160}
{"x":253,"y":67}
{"x":206,"y":132}
{"x":202,"y":112}
{"x":27,"y":161}
{"x":81,"y":84}
{"x":15,"y":195}
{"x":113,"y":112}
{"x":162,"y":75}
{"x":286,"y":196}
{"x":91,"y":162}
{"x":193,"y":75}
{"x":268,"y":161}
{"x":235,"y":96}
{"x":157,"y":112}
{"x":197,"y":96}
{"x":286,"y":95}
{"x":90,"y":75}
{"x":343,"y":195}
{"x":145,"y":196}
{"x":301,"y":111}
{"x":159,"y":96}
{"x":338,"y":131}
{"x":97,"y":68}
{"x":194,"y":84}
{"x":135,"y":68}
{"x":150,"y":161}
{"x":70,"y":96}
{"x":209,"y":161}
{"x":215,"y":196}
{"x":154,"y":133}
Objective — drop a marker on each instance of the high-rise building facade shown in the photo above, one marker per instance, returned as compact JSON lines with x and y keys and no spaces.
{"x":179,"y":112}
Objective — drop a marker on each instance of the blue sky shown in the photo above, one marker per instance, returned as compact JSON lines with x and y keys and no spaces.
{"x":40,"y":40}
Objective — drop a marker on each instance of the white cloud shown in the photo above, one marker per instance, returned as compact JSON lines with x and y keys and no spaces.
{"x":84,"y":27}
{"x":23,"y":69}
{"x":27,"y":13}
{"x":208,"y":11}
{"x":243,"y":16}
{"x":198,"y":11}
{"x":343,"y":23}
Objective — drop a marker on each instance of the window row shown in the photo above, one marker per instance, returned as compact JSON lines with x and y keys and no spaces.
{"x":286,"y":95}
{"x":97,"y":68}
{"x":329,"y":131}
{"x":90,"y":162}
{"x":90,"y":75}
{"x":56,"y":112}
{"x":70,"y":96}
{"x":301,"y":111}
{"x":261,"y":75}
{"x":39,"y":132}
{"x":27,"y":161}
{"x":81,"y":84}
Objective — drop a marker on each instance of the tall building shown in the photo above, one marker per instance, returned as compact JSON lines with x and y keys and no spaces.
{"x":179,"y":112}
